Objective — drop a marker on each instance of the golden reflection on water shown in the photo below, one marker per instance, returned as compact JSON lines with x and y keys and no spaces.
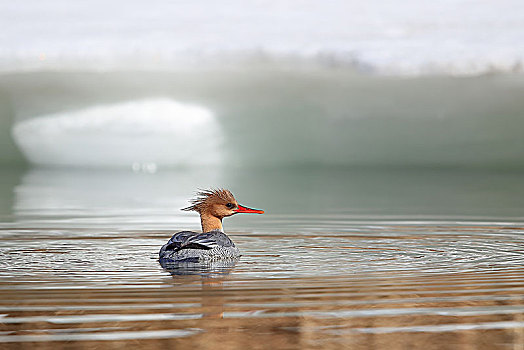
{"x":447,"y":311}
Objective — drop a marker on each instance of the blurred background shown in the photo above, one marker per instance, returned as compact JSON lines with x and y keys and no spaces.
{"x":245,"y":92}
{"x":173,"y":84}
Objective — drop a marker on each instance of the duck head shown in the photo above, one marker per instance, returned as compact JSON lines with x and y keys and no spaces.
{"x":214,"y":205}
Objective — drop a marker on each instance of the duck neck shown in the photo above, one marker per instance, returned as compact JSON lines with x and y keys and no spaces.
{"x":210,"y":223}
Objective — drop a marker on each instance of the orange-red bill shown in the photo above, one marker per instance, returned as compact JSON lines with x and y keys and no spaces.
{"x":242,"y":209}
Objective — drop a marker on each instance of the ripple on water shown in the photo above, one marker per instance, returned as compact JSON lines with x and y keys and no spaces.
{"x":408,"y":284}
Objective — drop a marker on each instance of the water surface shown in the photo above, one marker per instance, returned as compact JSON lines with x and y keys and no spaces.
{"x":343,"y":258}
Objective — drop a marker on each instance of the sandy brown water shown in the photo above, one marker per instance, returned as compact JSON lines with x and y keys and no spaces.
{"x":79,"y":269}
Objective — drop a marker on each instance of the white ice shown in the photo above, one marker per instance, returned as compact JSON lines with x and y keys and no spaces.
{"x":141,"y":135}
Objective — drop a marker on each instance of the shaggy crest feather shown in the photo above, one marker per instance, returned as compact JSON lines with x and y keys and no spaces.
{"x":206,"y":197}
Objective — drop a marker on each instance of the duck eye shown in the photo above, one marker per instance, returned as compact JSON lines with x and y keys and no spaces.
{"x":229,"y":205}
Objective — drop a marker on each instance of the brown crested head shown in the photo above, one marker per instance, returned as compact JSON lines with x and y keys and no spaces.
{"x":216,"y":202}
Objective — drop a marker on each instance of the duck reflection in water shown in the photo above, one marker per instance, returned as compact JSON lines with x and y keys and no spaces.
{"x":212,"y":269}
{"x":210,"y":276}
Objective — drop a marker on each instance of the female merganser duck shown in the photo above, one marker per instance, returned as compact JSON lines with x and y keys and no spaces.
{"x":212,"y":244}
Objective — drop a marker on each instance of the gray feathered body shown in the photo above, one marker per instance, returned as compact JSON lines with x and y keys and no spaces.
{"x":188,"y":246}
